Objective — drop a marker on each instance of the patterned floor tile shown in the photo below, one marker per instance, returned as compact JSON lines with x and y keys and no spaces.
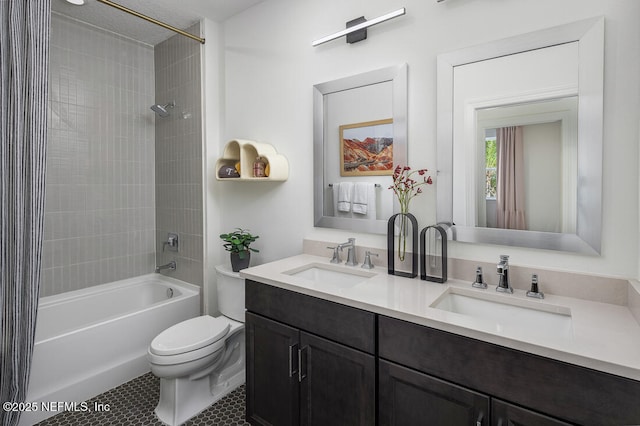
{"x":133,"y":403}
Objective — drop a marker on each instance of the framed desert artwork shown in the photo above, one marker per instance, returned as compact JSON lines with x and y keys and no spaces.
{"x":366,"y":149}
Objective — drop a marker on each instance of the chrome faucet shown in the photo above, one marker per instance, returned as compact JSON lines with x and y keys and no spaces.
{"x":351,"y":252}
{"x":170,"y":266}
{"x":503,"y":275}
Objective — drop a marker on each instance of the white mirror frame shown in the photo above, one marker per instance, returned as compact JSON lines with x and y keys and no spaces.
{"x":398,"y":76}
{"x":589,"y":34}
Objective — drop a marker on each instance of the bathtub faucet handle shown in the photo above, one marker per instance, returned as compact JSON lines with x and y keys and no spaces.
{"x":172,"y":242}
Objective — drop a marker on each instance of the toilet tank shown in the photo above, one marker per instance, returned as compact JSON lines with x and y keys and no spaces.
{"x":230,"y":293}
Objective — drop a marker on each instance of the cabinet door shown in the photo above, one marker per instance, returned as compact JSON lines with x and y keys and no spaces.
{"x":337,"y":384}
{"x":407,"y":397}
{"x":272,"y":376}
{"x":505,"y":414}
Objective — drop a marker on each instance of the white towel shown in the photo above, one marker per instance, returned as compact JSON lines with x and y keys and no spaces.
{"x":344,"y":196}
{"x":361,"y":197}
{"x":372,"y":201}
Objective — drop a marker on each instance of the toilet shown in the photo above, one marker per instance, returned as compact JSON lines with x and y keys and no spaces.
{"x":202,"y":359}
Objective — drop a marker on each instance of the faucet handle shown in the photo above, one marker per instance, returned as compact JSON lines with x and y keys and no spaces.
{"x":534,"y":288}
{"x":479,"y":282}
{"x":336,"y":254}
{"x":367,"y":260}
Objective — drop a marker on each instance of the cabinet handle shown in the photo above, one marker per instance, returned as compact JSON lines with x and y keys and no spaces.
{"x":293,"y":369}
{"x":480,"y":419}
{"x":302,"y":363}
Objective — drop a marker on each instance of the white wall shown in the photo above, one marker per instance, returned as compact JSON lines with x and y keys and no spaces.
{"x":543,"y":176}
{"x":270,"y":68}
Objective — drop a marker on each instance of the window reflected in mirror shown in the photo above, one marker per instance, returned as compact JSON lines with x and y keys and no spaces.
{"x":524,"y":187}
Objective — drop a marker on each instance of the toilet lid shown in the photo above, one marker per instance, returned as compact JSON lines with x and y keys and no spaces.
{"x":190,"y":335}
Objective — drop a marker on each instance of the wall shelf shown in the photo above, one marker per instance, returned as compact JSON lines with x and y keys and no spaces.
{"x":245,"y":152}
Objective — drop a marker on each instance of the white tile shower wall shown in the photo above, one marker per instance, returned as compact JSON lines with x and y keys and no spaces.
{"x":179,"y":156}
{"x":99,"y":220}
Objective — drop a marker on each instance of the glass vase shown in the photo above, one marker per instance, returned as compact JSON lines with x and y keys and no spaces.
{"x":408,"y":227}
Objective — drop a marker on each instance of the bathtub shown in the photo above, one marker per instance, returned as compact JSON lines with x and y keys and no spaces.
{"x":91,"y":340}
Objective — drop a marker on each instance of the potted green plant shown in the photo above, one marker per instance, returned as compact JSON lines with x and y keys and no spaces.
{"x":238,"y":242}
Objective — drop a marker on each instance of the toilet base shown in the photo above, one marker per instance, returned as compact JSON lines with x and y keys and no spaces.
{"x":182,"y":399}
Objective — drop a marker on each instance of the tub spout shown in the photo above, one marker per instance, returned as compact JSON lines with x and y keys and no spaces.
{"x":170,"y":266}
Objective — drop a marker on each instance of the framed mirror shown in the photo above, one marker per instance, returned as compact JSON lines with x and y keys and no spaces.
{"x":359,"y":133}
{"x":520,"y":139}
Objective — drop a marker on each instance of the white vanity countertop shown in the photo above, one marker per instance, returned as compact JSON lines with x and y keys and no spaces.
{"x":605,"y":337}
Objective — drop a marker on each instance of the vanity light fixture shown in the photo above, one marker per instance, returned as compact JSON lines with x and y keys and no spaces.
{"x":359,"y":26}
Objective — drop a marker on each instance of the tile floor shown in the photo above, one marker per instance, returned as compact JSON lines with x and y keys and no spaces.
{"x":133,"y":403}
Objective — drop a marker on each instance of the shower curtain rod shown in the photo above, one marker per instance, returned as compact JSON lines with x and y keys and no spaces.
{"x":152,"y":20}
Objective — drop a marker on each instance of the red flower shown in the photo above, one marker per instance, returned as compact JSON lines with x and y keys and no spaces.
{"x":405,"y":187}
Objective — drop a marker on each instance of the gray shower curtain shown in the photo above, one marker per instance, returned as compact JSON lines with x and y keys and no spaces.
{"x":24,"y":58}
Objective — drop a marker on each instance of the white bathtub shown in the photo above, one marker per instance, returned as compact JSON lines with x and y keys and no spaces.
{"x":91,"y":340}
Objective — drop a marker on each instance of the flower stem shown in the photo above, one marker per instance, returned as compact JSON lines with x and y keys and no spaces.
{"x":402,"y":237}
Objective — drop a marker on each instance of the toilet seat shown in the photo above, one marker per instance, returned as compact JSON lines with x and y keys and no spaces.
{"x":207,"y":351}
{"x":196,"y":334}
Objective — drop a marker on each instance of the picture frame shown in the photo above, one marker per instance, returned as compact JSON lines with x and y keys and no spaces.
{"x":366,"y":149}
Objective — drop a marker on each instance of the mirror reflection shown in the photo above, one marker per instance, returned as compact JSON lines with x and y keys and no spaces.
{"x":359,"y":134}
{"x":525,"y":168}
{"x":358,"y":152}
{"x":520,"y":139}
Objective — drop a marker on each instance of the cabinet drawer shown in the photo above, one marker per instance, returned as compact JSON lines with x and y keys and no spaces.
{"x":562,"y":390}
{"x":344,"y":324}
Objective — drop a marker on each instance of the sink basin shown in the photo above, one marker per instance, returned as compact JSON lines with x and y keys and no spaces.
{"x":330,"y":275}
{"x":505,"y":315}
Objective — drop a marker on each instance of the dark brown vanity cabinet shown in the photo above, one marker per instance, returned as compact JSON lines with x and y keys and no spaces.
{"x":523,"y":389}
{"x":315,"y":362}
{"x":309,"y":361}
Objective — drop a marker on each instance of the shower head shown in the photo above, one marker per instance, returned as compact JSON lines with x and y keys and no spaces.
{"x":162,"y":110}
